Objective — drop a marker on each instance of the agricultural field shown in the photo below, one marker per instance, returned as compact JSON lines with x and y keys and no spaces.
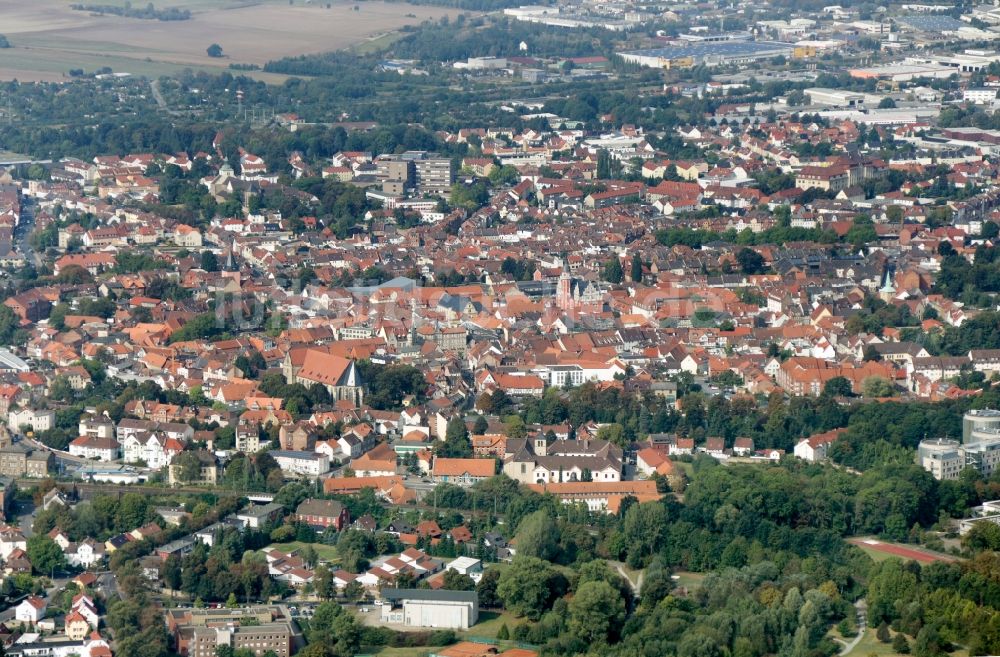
{"x":49,"y":38}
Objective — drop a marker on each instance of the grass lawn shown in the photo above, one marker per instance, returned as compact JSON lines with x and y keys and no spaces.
{"x":490,"y":622}
{"x":869,"y":645}
{"x":876,"y":555}
{"x":422,"y":651}
{"x":325,"y":552}
{"x":690,"y":581}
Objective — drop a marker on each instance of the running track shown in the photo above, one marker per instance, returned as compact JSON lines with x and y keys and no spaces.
{"x":900,"y":551}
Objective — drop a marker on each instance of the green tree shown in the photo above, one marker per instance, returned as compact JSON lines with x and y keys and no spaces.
{"x":613,"y":433}
{"x":354,"y":591}
{"x":595,"y":611}
{"x":334,"y":627}
{"x":188,"y":466}
{"x":316,"y":650}
{"x":486,"y":588}
{"x":171,"y":572}
{"x":45,"y":555}
{"x":538,"y":536}
{"x":613,"y":272}
{"x":209,"y":261}
{"x":636,"y":268}
{"x":838,"y":386}
{"x":528,"y":586}
{"x":876,"y":386}
{"x":643,"y":531}
{"x":456,"y":581}
{"x":750,"y":261}
{"x":456,"y":441}
{"x":214,"y":50}
{"x":929,"y":642}
{"x":982,"y":536}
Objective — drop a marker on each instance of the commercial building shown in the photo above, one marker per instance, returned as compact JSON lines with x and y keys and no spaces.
{"x":903,"y":72}
{"x":834,"y":97}
{"x":989,"y":511}
{"x":713,"y":53}
{"x":980,"y":95}
{"x":433,"y":175}
{"x":197,"y":632}
{"x":980,"y":423}
{"x":456,"y":610}
{"x":426,"y":173}
{"x":258,"y":639}
{"x":945,"y":459}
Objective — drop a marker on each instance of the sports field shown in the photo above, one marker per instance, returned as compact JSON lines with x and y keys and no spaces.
{"x":880,"y":550}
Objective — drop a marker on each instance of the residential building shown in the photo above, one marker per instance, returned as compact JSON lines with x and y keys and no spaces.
{"x":36,"y":420}
{"x":600,"y":495}
{"x":322,"y":514}
{"x":540,"y":460}
{"x":31,"y":610}
{"x":303,"y":464}
{"x":92,"y":447}
{"x":462,"y":472}
{"x":815,"y":447}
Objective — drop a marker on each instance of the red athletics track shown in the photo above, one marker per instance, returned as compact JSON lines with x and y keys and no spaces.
{"x":899,"y":550}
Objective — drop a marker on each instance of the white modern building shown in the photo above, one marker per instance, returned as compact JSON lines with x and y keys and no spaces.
{"x":455,"y":610}
{"x":306,"y":464}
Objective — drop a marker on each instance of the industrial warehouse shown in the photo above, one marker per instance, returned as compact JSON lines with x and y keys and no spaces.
{"x":710,"y":53}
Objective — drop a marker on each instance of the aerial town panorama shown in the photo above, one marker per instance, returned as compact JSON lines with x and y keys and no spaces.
{"x":470,"y":328}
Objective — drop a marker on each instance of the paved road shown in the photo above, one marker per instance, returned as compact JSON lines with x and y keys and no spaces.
{"x":160,"y":100}
{"x":862,"y":608}
{"x":637,"y":584}
{"x":23,"y":230}
{"x":63,"y":460}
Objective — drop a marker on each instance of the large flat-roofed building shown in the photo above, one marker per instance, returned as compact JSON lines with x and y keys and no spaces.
{"x":258,"y":639}
{"x":834,"y":97}
{"x":903,"y":72}
{"x":712,"y":53}
{"x":434,"y":175}
{"x":980,"y":422}
{"x":456,"y":610}
{"x":945,"y":459}
{"x":198,"y":632}
{"x":177,"y":618}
